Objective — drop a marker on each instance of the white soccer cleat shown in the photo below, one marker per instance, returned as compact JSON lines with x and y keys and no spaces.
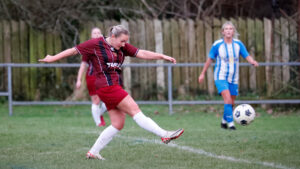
{"x":171,"y":135}
{"x":89,"y":155}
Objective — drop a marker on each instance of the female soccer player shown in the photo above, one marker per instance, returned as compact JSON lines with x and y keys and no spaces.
{"x":90,"y":77}
{"x":226,"y":52}
{"x":107,"y":55}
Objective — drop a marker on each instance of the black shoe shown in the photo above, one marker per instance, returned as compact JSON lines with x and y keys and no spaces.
{"x":224,"y":125}
{"x":232,"y":128}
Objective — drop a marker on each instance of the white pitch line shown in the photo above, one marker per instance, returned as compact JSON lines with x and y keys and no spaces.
{"x":208,"y":154}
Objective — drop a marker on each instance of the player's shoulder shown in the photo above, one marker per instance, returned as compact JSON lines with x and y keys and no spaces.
{"x":218,"y":42}
{"x":238,"y":41}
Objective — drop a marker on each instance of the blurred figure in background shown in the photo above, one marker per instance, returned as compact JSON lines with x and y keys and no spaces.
{"x":86,"y":66}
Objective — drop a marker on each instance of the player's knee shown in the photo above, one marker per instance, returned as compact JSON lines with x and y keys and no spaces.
{"x":95,"y":99}
{"x":228,"y":100}
{"x":118,"y":126}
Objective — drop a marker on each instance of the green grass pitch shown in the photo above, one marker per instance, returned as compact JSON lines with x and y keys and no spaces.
{"x":58,"y":137}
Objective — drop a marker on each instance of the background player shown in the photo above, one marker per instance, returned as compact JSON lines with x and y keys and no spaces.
{"x":90,"y":77}
{"x":226,"y":52}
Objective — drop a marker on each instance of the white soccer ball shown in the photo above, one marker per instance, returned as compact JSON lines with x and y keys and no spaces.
{"x":244,"y":114}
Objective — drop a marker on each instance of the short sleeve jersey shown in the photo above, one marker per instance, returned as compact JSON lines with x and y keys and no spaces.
{"x":227,"y":59}
{"x":105,"y":60}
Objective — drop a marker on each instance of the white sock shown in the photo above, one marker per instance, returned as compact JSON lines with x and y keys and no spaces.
{"x":148,"y":124}
{"x":96,"y":114}
{"x":224,"y":121}
{"x":103,"y":109}
{"x":230,"y":124}
{"x":105,"y":137}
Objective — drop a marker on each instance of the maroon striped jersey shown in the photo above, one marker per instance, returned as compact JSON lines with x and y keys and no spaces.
{"x":106,"y":60}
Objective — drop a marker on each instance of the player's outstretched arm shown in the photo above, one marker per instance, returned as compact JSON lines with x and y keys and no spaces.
{"x":61,"y":55}
{"x":148,"y":55}
{"x":252,"y":61}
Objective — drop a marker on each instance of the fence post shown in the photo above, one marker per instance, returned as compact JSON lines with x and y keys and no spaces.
{"x":9,"y":90}
{"x":170,"y":90}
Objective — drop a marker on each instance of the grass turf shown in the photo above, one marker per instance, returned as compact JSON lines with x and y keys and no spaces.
{"x":59,"y":136}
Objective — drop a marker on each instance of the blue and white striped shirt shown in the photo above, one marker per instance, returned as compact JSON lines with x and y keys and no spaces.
{"x":227,"y":59}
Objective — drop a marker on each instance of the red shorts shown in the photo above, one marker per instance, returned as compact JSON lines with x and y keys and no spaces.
{"x":112,"y":95}
{"x":90,"y":83}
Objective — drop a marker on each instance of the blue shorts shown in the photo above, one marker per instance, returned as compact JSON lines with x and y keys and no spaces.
{"x":224,"y":85}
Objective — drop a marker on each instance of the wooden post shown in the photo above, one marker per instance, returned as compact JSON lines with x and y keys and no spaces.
{"x":167,"y":43}
{"x":84,"y":34}
{"x":7,"y":40}
{"x":259,"y":39}
{"x":15,"y":56}
{"x":268,"y":54}
{"x":150,"y":71}
{"x":277,"y":56}
{"x":2,"y":70}
{"x":285,"y":50}
{"x":100,"y":25}
{"x":160,"y":80}
{"x":175,"y":52}
{"x":134,"y":71}
{"x":216,"y":29}
{"x":33,"y":54}
{"x":1,"y":43}
{"x":299,"y":36}
{"x":293,"y":45}
{"x":244,"y":71}
{"x":6,"y":46}
{"x":183,"y":44}
{"x":193,"y":73}
{"x":251,"y":48}
{"x":24,"y":52}
{"x":208,"y":44}
{"x":142,"y":45}
{"x":201,"y":53}
{"x":57,"y":49}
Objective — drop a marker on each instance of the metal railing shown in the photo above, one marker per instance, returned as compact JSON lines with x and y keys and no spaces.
{"x":170,"y":102}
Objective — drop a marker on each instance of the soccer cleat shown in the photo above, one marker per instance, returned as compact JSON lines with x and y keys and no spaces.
{"x":102,"y":122}
{"x":232,"y":128}
{"x":224,"y":125}
{"x":171,"y":135}
{"x":89,"y":155}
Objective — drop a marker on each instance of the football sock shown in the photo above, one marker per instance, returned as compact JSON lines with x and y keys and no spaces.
{"x":103,"y":109}
{"x":228,"y":113}
{"x":148,"y":124}
{"x":223,"y":120}
{"x":230,"y":124}
{"x":96,"y":113}
{"x":105,"y":137}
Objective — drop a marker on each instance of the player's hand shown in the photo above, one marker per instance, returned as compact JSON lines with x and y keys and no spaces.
{"x":47,"y":59}
{"x":201,"y":78}
{"x":78,"y":84}
{"x":170,"y":59}
{"x":254,"y":63}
